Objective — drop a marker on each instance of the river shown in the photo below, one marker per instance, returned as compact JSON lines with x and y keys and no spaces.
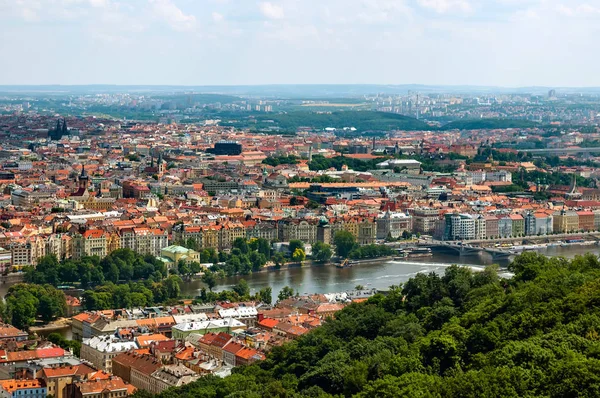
{"x":329,"y":279}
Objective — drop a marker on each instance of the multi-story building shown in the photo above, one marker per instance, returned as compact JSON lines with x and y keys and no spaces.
{"x":303,"y":230}
{"x":171,"y":376}
{"x":459,"y":227}
{"x":367,"y":230}
{"x":100,"y":350}
{"x":61,"y":245}
{"x":393,"y":224}
{"x":137,"y":370}
{"x":114,"y":387}
{"x":144,"y":240}
{"x":23,"y":389}
{"x":182,"y":330}
{"x":538,"y":224}
{"x":518,"y":225}
{"x":586,"y":221}
{"x":491,"y":226}
{"x":26,"y":198}
{"x":480,"y":227}
{"x":324,"y":233}
{"x":229,"y":352}
{"x":91,"y":243}
{"x":424,"y":220}
{"x":229,"y":232}
{"x":505,"y":228}
{"x":171,"y":255}
{"x":565,"y":221}
{"x":499,"y":176}
{"x":596,"y":220}
{"x":27,"y":251}
{"x":265,"y":230}
{"x":57,"y":378}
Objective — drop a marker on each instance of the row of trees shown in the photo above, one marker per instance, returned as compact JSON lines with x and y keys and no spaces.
{"x":370,"y":251}
{"x":241,"y":292}
{"x":122,"y":265}
{"x":459,"y":334}
{"x":26,"y":303}
{"x":346,"y":246}
{"x":132,"y":294}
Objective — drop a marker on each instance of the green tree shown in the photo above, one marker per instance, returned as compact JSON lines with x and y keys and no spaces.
{"x":321,"y":252}
{"x":172,"y":286}
{"x":266,"y":294}
{"x":241,"y":244}
{"x":285,"y":293}
{"x":183,"y":268}
{"x":242,"y":288}
{"x":344,"y":243}
{"x":22,"y":309}
{"x":298,"y":256}
{"x":278,"y":259}
{"x":195,"y":267}
{"x":296,"y":244}
{"x":209,"y":279}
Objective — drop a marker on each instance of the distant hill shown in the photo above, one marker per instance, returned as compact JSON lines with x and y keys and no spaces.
{"x":362,"y":121}
{"x":477,"y":124}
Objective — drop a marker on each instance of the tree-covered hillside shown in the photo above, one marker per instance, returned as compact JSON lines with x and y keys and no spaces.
{"x":462,"y":334}
{"x":480,"y":124}
{"x":362,"y":121}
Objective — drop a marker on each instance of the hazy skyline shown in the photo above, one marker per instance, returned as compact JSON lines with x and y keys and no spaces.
{"x":508,"y":43}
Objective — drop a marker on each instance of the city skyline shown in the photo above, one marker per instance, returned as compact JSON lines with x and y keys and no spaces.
{"x":501,"y":43}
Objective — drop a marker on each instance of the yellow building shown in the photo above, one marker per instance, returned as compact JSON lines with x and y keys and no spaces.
{"x":171,"y":255}
{"x":565,"y":221}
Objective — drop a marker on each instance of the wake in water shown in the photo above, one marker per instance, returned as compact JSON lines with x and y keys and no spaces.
{"x":474,"y":267}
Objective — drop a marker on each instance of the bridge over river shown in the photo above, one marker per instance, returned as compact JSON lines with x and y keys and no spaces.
{"x":465,"y":250}
{"x":478,"y":247}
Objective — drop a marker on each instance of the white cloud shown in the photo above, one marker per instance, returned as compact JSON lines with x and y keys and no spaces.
{"x":444,"y":6}
{"x":271,"y":11}
{"x":583,"y":10}
{"x":99,"y":3}
{"x":216,"y":17}
{"x":173,"y":15}
{"x":506,"y":42}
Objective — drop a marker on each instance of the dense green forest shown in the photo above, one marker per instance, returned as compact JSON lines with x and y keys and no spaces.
{"x":462,"y":334}
{"x":477,"y":124}
{"x":360,"y":120}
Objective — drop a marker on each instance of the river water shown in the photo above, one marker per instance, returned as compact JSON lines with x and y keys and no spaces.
{"x":329,"y":279}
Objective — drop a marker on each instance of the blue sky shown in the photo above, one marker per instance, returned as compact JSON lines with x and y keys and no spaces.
{"x":187,"y":42}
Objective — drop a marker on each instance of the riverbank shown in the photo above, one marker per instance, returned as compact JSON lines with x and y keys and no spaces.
{"x":58,"y":325}
{"x":310,"y":263}
{"x":12,"y":278}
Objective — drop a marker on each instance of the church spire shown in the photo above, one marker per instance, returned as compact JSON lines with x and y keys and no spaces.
{"x":64,"y":127}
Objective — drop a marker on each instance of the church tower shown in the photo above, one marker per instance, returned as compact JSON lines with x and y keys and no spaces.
{"x":161,"y":165}
{"x":84,"y":180}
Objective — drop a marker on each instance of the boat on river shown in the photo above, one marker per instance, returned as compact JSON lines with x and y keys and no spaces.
{"x":415,"y":252}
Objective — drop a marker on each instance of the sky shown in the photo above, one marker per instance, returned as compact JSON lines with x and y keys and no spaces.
{"x":509,"y":43}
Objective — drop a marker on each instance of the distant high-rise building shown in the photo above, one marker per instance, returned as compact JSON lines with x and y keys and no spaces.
{"x":552,"y":93}
{"x":228,"y":148}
